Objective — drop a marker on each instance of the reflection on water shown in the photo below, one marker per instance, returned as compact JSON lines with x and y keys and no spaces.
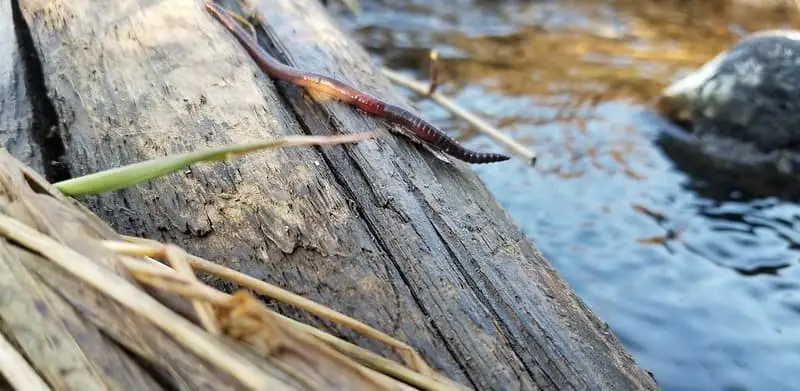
{"x":700,"y":280}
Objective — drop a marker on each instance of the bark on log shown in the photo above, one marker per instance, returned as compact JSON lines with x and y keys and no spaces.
{"x":380,"y":230}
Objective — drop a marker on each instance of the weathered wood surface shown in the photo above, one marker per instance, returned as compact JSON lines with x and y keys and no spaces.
{"x":16,"y":113}
{"x":380,"y":230}
{"x":39,"y":321}
{"x":73,"y":336}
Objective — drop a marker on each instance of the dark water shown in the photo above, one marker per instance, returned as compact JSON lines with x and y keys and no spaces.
{"x":699,"y":280}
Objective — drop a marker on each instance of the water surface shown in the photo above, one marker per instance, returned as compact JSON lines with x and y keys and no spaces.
{"x":698,"y":277}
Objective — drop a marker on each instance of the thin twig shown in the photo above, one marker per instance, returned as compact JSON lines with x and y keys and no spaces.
{"x":17,"y":372}
{"x":155,"y":249}
{"x":168,"y":279}
{"x":178,"y":260}
{"x":516,"y":148}
{"x":377,"y":362}
{"x":433,"y":71}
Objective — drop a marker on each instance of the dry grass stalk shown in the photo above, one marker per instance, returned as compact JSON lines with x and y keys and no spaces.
{"x":17,"y":371}
{"x":433,"y":71}
{"x":242,"y":317}
{"x":245,"y":318}
{"x":177,"y":259}
{"x":165,"y":278}
{"x":140,"y":303}
{"x":333,"y":370}
{"x":146,"y":247}
{"x":432,"y":382}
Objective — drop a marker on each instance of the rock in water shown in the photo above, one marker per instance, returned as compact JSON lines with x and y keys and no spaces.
{"x":749,"y":93}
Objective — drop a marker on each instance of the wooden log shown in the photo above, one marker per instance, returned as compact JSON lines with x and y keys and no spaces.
{"x":379,"y":230}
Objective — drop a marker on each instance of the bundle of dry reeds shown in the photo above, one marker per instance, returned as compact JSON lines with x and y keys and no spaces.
{"x":85,"y":308}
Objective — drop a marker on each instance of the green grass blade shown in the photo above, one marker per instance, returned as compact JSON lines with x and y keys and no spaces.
{"x":121,"y":177}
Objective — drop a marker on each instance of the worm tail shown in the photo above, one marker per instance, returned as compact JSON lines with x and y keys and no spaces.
{"x":435,"y":137}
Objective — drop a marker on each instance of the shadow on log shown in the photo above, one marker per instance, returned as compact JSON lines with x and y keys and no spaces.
{"x":380,"y":230}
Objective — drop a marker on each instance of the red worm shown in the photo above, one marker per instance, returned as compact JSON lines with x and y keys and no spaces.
{"x":349,"y":95}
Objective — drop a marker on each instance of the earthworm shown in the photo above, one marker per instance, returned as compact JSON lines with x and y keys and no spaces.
{"x":349,"y":95}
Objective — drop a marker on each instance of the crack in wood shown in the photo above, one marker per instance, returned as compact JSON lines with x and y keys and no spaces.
{"x":44,"y":129}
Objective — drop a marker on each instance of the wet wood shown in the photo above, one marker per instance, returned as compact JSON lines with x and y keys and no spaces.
{"x":381,"y":230}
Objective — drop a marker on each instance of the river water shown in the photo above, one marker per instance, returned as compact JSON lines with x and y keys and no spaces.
{"x":697,"y":275}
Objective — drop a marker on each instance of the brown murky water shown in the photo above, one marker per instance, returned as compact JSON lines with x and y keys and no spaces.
{"x":700,"y":278}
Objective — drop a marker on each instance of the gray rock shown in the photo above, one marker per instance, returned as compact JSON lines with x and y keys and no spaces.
{"x":749,"y":93}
